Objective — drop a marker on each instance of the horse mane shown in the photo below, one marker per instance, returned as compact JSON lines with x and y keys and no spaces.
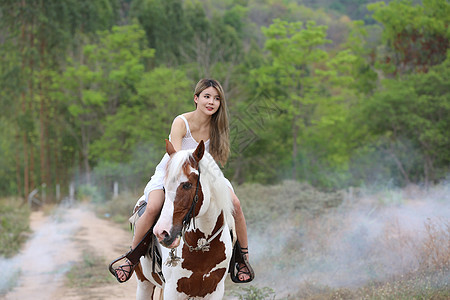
{"x":211,"y":175}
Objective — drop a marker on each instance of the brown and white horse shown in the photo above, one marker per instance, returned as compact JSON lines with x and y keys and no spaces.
{"x":194,"y":228}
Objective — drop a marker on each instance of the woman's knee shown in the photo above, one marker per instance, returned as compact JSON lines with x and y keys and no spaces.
{"x":155,"y":202}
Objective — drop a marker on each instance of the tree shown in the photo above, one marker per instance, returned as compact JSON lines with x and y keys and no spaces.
{"x":291,"y":77}
{"x":101,"y":78}
{"x":132,"y":139}
{"x":416,"y":37}
{"x":41,"y":31}
{"x":413,"y":111}
{"x":313,"y":92}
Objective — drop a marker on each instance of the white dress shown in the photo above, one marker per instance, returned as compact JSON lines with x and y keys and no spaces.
{"x":157,"y":180}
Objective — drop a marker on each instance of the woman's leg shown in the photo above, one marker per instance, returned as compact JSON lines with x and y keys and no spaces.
{"x":241,"y":229}
{"x":154,"y":204}
{"x":152,"y":210}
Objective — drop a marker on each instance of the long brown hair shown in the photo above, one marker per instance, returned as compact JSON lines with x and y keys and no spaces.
{"x":219,"y":131}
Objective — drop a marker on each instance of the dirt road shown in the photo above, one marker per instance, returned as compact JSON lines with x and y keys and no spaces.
{"x":57,"y":243}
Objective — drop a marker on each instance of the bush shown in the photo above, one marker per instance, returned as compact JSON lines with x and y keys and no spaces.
{"x":255,"y":293}
{"x":14,"y":226}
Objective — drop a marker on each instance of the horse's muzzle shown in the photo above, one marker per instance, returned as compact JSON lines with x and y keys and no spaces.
{"x":171,"y":240}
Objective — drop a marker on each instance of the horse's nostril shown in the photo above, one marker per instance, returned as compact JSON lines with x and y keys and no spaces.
{"x":162,"y":235}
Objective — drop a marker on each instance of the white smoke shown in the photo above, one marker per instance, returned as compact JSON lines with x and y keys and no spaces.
{"x":369,"y":237}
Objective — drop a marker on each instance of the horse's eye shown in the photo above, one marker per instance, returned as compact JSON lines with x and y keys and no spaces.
{"x":187,"y":185}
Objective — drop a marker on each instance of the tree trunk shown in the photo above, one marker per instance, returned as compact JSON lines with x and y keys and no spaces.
{"x":295,"y":131}
{"x":399,"y":164}
{"x":45,"y":173}
{"x":238,"y":174}
{"x":26,"y":190}
{"x":85,"y":154}
{"x":18,"y":175}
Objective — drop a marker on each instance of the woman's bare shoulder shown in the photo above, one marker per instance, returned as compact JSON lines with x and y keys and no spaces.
{"x":188,"y":116}
{"x":178,"y":125}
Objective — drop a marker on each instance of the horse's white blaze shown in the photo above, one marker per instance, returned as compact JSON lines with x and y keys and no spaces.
{"x":164,"y":223}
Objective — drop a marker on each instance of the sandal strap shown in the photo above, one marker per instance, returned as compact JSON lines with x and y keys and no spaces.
{"x":128,"y":265}
{"x":241,"y":269}
{"x":128,"y":273}
{"x":240,"y":265}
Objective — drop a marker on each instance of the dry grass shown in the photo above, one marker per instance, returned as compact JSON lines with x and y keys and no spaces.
{"x":118,"y":209}
{"x":90,"y":272}
{"x":435,"y":249}
{"x":306,"y":244}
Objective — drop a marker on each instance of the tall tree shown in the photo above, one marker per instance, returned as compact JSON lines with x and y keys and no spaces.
{"x":43,"y":30}
{"x":101,"y":78}
{"x":295,"y":56}
{"x":416,"y":36}
{"x":412,"y":112}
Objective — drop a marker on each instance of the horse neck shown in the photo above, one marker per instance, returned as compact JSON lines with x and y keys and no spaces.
{"x":208,"y":221}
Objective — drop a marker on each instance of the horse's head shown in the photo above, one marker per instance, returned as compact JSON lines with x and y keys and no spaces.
{"x":185,"y":197}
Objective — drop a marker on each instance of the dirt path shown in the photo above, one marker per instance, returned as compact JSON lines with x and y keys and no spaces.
{"x":57,"y":243}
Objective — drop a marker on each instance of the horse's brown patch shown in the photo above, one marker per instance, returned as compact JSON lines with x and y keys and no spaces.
{"x":140,"y":275}
{"x":157,"y":279}
{"x":183,"y":200}
{"x":188,"y":164}
{"x":204,"y":279}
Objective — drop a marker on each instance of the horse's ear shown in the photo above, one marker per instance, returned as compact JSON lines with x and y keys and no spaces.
{"x":198,"y":153}
{"x":169,"y":148}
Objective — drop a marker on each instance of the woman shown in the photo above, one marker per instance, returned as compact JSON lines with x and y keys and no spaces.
{"x":208,"y":122}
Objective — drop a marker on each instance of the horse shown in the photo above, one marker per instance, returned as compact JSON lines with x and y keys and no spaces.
{"x":194,"y":229}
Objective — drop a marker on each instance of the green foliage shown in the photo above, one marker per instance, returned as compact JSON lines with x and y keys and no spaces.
{"x":7,"y":163}
{"x":89,"y":193}
{"x":14,"y":226}
{"x":414,"y":109}
{"x":255,"y":293}
{"x":92,"y":87}
{"x":417,"y":38}
{"x":313,"y":92}
{"x":118,"y":209}
{"x":161,"y":95}
{"x":164,"y":23}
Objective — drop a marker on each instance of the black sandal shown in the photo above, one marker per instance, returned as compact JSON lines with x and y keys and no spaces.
{"x":128,"y":264}
{"x":239,"y":263}
{"x":132,"y":258}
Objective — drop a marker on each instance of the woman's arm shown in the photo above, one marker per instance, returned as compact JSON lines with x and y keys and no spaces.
{"x":177,"y":132}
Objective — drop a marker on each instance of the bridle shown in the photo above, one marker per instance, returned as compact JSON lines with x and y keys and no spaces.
{"x":191,"y":213}
{"x":202,"y":243}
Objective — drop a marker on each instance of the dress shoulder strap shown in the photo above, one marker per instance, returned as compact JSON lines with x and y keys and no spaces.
{"x":188,"y":131}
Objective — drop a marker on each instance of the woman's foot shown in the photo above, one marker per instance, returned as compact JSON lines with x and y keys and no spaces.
{"x":124,"y":272}
{"x":243,"y":273}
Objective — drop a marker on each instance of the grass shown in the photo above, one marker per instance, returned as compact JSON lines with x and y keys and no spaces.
{"x":308,"y":244}
{"x":14,"y":226}
{"x":254,"y":293}
{"x":9,"y":282}
{"x":118,"y":209}
{"x":90,"y":272}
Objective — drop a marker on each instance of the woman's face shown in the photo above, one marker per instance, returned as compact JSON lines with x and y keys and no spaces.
{"x":208,"y":101}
